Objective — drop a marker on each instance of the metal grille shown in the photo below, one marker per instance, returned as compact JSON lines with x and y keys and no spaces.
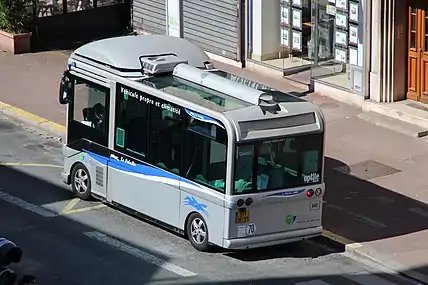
{"x":213,"y":25}
{"x":149,"y":16}
{"x":99,"y":176}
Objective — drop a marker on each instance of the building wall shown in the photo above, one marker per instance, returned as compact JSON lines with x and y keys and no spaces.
{"x":388,"y":65}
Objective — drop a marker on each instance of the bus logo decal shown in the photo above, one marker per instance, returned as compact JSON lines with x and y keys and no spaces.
{"x":191,"y":201}
{"x":290,"y":219}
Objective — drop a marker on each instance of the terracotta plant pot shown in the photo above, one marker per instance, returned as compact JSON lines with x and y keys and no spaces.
{"x":16,"y":44}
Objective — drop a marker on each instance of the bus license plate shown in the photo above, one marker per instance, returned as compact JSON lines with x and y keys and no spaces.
{"x":242,"y":216}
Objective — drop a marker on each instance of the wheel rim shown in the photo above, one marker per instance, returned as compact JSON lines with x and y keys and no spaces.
{"x":198,"y":231}
{"x":81,"y":181}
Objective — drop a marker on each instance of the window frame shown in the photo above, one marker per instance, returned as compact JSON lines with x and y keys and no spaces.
{"x":75,"y":129}
{"x":123,"y":149}
{"x":255,"y":154}
{"x":187,"y":130}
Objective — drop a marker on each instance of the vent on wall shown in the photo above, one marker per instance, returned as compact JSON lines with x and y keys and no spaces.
{"x":99,"y":176}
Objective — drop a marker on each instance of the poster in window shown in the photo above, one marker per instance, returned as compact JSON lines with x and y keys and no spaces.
{"x":353,"y":34}
{"x":341,"y":20}
{"x":342,"y":4}
{"x":297,"y":18}
{"x":340,"y":54}
{"x":297,"y":40}
{"x":341,"y":38}
{"x":330,"y":10}
{"x":297,"y":3}
{"x":285,"y":37}
{"x":353,"y":12}
{"x":353,"y":55}
{"x":285,"y":15}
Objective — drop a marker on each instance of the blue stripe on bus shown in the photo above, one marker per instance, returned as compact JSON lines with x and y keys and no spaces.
{"x":144,"y":169}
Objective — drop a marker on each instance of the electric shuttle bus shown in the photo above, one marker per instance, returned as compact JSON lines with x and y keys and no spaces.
{"x":153,"y":128}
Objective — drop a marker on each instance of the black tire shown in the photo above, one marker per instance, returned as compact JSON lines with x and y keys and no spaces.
{"x":197,"y":232}
{"x":81,"y":182}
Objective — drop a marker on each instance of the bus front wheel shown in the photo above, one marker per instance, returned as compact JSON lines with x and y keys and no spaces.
{"x":197,"y":232}
{"x":81,"y":182}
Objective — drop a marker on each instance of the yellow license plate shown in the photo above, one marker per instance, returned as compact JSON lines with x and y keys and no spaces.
{"x":242,"y":216}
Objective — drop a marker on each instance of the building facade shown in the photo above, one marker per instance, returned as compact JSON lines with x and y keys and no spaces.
{"x":358,"y":49}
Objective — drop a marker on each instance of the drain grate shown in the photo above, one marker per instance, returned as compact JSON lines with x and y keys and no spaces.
{"x":367,"y":170}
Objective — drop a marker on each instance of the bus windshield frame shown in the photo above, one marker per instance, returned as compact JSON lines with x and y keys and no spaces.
{"x":277,"y":164}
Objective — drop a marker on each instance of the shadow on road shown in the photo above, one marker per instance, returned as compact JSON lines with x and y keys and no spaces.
{"x":363,"y":211}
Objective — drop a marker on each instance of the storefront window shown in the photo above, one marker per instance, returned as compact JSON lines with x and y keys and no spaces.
{"x":309,"y":39}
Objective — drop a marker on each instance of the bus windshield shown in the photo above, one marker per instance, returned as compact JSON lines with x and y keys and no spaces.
{"x":278,"y":163}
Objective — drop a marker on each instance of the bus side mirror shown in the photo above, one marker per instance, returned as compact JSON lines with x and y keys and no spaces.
{"x":65,"y":88}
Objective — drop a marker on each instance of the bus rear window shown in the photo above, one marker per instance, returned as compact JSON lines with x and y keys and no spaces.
{"x":278,"y":164}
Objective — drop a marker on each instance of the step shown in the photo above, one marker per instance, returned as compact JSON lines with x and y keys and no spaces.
{"x":393,"y":124}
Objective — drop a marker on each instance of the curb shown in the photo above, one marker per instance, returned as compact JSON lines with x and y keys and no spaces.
{"x":37,"y":122}
{"x":355,"y":250}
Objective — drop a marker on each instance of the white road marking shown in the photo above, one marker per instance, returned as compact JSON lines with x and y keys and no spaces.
{"x":361,"y":217}
{"x":366,"y":278}
{"x":313,"y":282}
{"x":140,"y":254}
{"x":27,"y":206}
{"x":419,"y":212}
{"x":371,"y":221}
{"x":384,"y":200}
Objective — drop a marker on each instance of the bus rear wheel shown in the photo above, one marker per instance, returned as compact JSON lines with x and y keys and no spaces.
{"x":81,"y":182}
{"x":197,"y":232}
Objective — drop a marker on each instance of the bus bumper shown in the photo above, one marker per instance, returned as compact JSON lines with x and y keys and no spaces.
{"x":272,"y":239}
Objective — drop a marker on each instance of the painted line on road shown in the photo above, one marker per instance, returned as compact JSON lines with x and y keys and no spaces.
{"x":140,"y":254}
{"x":70,"y":205}
{"x":27,"y":206}
{"x":367,"y":278}
{"x":82,"y":210}
{"x":30,"y":164}
{"x":26,"y":116}
{"x":313,"y":282}
{"x":362,"y":218}
{"x":68,"y":209}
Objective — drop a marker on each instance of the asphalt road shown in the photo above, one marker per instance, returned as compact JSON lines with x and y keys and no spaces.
{"x":69,"y":242}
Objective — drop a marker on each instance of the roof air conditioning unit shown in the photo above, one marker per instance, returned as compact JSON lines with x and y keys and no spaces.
{"x":161,"y":63}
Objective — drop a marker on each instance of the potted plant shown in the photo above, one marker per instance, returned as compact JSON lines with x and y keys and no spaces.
{"x":14,"y":16}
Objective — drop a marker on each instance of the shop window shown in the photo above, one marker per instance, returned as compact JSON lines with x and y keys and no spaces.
{"x":307,"y":39}
{"x":205,"y":154}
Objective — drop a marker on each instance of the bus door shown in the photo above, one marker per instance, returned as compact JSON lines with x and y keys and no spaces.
{"x":204,"y":171}
{"x":88,"y":129}
{"x":145,"y":163}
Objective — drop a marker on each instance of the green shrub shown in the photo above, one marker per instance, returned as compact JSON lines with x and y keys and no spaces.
{"x":14,"y":15}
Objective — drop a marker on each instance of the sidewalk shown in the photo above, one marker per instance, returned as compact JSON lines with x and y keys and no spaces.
{"x":377,"y":182}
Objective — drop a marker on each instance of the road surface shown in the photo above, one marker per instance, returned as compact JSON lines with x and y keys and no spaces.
{"x":67,"y":241}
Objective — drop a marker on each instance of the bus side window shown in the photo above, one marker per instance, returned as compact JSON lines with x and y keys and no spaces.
{"x":205,"y":154}
{"x":131,"y":126}
{"x":89,"y":105}
{"x":166,"y":129}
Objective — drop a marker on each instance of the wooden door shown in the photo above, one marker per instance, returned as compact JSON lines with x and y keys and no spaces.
{"x":417,"y":62}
